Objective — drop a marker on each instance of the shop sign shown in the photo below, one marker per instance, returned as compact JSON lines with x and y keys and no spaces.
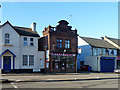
{"x":61,"y":54}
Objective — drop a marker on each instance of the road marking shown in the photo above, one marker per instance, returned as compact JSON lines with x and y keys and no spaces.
{"x":14,"y":85}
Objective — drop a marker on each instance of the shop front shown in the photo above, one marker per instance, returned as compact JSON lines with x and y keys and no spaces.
{"x":63,"y":62}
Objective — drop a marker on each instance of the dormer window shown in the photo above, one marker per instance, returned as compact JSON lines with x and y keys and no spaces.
{"x":25,"y":41}
{"x":7,"y":38}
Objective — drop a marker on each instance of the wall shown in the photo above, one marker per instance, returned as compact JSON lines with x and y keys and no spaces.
{"x":85,"y":51}
{"x":14,"y":42}
{"x":93,"y":61}
{"x":28,"y":50}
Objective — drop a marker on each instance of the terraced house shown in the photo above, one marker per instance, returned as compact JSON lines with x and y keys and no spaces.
{"x":19,"y":49}
{"x":99,"y":54}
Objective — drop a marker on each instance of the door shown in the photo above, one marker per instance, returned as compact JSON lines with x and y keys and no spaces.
{"x":7,"y":63}
{"x":107,"y":65}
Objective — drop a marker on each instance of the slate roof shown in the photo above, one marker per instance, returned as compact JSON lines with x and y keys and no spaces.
{"x":26,"y":31}
{"x":116,"y":41}
{"x":23,"y":31}
{"x":98,"y":43}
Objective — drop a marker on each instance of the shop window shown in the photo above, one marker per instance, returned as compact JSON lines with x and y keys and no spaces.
{"x":70,"y":62}
{"x":67,"y":43}
{"x":59,"y":43}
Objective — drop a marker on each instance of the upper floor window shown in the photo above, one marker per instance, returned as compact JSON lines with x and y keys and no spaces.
{"x":7,"y":38}
{"x":25,"y":41}
{"x":67,"y":43}
{"x":59,"y":43}
{"x":31,"y":42}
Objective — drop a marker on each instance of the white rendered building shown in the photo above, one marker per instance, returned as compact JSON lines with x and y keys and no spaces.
{"x":19,"y":49}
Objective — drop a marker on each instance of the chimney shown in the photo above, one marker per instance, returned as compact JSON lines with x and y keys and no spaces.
{"x":33,"y":26}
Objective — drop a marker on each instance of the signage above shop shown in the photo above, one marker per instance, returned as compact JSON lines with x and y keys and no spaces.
{"x":61,"y":54}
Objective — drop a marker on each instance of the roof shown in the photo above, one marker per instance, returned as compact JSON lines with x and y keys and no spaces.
{"x":116,"y":41}
{"x":23,"y":31}
{"x":98,"y":43}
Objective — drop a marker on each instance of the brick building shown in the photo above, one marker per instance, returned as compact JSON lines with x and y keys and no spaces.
{"x":60,"y":44}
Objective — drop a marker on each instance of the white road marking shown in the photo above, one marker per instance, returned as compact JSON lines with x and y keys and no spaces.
{"x":14,"y":85}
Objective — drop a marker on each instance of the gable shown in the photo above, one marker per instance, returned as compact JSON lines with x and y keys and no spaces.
{"x":81,"y":41}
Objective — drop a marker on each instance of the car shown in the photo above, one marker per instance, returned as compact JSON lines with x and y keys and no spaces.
{"x":117,"y":70}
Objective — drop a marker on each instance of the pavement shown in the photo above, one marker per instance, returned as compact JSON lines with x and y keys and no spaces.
{"x":57,"y":77}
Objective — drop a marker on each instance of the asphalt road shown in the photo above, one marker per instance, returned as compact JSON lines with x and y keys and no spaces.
{"x":107,"y":83}
{"x":34,"y":80}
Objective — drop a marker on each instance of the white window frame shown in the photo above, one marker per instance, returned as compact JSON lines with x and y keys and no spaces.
{"x":7,"y":38}
{"x":23,"y":60}
{"x":25,"y":41}
{"x":31,"y":41}
{"x":28,"y":60}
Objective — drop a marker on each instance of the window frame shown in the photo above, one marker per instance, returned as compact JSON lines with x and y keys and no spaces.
{"x":67,"y":44}
{"x":26,"y":64}
{"x":28,"y":60}
{"x":31,"y":42}
{"x":59,"y":43}
{"x":7,"y":39}
{"x":25,"y":42}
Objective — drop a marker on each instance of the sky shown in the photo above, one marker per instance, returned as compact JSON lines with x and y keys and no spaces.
{"x":91,"y":19}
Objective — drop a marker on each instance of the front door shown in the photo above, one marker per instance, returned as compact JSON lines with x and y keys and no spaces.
{"x":7,"y":63}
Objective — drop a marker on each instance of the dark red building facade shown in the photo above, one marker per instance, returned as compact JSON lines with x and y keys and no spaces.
{"x":60,"y":45}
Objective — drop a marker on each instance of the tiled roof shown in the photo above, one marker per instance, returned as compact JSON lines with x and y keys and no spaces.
{"x":98,"y":43}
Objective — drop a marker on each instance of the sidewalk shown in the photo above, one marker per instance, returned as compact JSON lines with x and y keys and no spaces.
{"x":57,"y":77}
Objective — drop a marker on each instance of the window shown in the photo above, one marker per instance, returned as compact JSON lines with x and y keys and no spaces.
{"x":59,"y":43}
{"x":25,"y":60}
{"x":31,"y":59}
{"x":67,"y":43}
{"x":7,"y":38}
{"x":25,"y":41}
{"x":95,"y":51}
{"x":31,"y":42}
{"x":28,"y":60}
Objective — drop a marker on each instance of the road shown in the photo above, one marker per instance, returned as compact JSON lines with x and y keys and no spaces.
{"x":107,"y":83}
{"x":72,"y":80}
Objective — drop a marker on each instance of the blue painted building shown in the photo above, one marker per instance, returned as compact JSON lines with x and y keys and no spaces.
{"x":91,"y":51}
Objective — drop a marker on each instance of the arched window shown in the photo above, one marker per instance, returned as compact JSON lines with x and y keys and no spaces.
{"x":7,"y":38}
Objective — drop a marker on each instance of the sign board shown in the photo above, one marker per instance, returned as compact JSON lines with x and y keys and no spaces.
{"x":61,"y":54}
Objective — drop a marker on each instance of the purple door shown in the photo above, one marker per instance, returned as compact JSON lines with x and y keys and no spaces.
{"x":7,"y":63}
